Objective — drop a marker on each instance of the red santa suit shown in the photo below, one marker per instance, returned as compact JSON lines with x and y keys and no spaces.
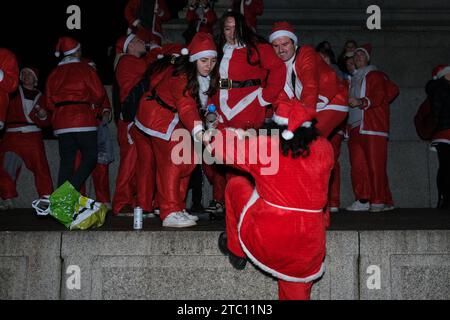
{"x":161,"y":14}
{"x":250,"y":9}
{"x":369,"y":132}
{"x":77,"y":83}
{"x":204,"y":18}
{"x":168,"y":108}
{"x":313,"y":82}
{"x":130,"y":71}
{"x":278,"y":223}
{"x":261,"y":83}
{"x":9,"y":80}
{"x":23,"y":138}
{"x":74,"y":93}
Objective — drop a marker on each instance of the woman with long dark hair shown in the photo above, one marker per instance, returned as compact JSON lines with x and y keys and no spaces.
{"x":172,"y":105}
{"x":279,"y":221}
{"x":251,"y":74}
{"x":251,"y":77}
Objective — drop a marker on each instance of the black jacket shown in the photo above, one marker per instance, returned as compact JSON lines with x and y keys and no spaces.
{"x":438,"y":92}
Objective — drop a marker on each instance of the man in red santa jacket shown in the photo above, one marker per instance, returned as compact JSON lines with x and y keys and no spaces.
{"x":148,"y":33}
{"x":263,"y":218}
{"x":27,"y":113}
{"x":132,"y":61}
{"x":309,"y":79}
{"x":9,"y":80}
{"x":74,"y":94}
{"x":370,"y":93}
{"x":250,"y":9}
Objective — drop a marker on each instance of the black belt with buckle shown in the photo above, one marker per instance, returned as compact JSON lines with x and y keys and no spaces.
{"x":71,"y":103}
{"x":227,"y":84}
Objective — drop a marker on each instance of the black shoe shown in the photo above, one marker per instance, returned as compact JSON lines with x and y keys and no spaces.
{"x":237,"y":262}
{"x":197,"y":209}
{"x":216,"y":210}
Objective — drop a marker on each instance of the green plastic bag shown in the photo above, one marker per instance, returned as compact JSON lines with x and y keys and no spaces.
{"x":71,"y":209}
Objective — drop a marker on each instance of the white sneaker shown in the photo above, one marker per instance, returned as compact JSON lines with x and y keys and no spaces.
{"x":190,"y":216}
{"x":178,"y":220}
{"x":358,"y":206}
{"x":334,"y":209}
{"x":380,"y":207}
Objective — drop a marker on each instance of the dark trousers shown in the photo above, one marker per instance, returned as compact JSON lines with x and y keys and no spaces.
{"x":443,"y":176}
{"x":69,"y":144}
{"x":196,"y":184}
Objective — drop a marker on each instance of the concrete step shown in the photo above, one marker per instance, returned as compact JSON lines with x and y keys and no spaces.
{"x":188,"y":265}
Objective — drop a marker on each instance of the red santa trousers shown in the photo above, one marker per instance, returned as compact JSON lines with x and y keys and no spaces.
{"x":125,"y":181}
{"x":294,"y":290}
{"x":145,"y":170}
{"x":238,"y":192}
{"x":217,"y":178}
{"x":30,"y":148}
{"x":368,"y":160}
{"x":328,"y":120}
{"x":335,"y":179}
{"x":172,"y":180}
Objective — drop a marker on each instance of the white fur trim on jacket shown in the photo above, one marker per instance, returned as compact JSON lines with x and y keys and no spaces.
{"x":198,"y":128}
{"x":69,"y":130}
{"x":279,"y":275}
{"x":162,"y":135}
{"x":261,"y":100}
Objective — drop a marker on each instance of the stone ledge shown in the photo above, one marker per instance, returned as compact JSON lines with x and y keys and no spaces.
{"x":188,"y":265}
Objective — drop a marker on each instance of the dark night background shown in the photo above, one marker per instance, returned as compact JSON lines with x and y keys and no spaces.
{"x":31,"y":30}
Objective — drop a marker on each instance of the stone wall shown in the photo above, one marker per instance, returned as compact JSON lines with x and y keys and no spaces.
{"x":188,"y":265}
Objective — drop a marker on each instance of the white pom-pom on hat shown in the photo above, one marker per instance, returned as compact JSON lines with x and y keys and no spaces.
{"x":184,"y":51}
{"x":287,"y":135}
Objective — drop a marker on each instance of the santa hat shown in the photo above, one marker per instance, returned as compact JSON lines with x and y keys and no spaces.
{"x":170,"y":49}
{"x":202,"y":45}
{"x":34,"y":71}
{"x":440,"y":71}
{"x":292,"y":114}
{"x":123,"y":43}
{"x":283,"y":29}
{"x":367,"y":49}
{"x":67,"y":46}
